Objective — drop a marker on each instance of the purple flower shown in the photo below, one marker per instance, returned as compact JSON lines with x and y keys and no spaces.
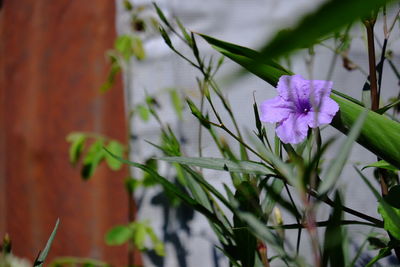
{"x":300,"y":104}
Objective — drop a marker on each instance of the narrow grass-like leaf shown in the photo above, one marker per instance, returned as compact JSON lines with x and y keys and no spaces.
{"x":382,"y":253}
{"x":335,"y":169}
{"x":42,"y":257}
{"x":333,"y":251}
{"x":388,"y":106}
{"x":177,"y":192}
{"x":381,"y":164}
{"x":269,"y":201}
{"x":241,"y":166}
{"x":261,"y":231}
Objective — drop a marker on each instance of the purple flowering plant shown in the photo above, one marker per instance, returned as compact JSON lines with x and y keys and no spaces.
{"x":300,"y":104}
{"x":265,"y":173}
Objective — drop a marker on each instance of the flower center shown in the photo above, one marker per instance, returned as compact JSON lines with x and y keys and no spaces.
{"x":303,"y":106}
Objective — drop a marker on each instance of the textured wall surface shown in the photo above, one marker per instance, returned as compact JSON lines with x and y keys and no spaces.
{"x":52,"y":62}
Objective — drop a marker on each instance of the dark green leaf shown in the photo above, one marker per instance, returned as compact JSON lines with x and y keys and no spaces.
{"x":390,"y":214}
{"x":92,"y":159}
{"x":333,"y":251}
{"x":246,"y":242}
{"x":317,"y":25}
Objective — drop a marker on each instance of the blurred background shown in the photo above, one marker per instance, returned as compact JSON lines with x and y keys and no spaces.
{"x":54,"y":61}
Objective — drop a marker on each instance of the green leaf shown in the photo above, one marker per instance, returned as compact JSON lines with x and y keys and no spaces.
{"x":176,"y":103}
{"x":390,"y":214}
{"x":388,"y":106}
{"x":143,"y":112}
{"x":158,"y":245}
{"x":379,"y":134}
{"x":124,"y":44}
{"x":269,"y":201}
{"x":333,"y":251}
{"x":177,"y":192}
{"x":335,"y":169}
{"x":318,"y":24}
{"x":245,"y":241}
{"x":118,"y":235}
{"x":139,"y":234}
{"x":131,"y":184}
{"x":117,"y":149}
{"x":112,"y":75}
{"x":148,"y":178}
{"x":389,"y":208}
{"x":248,"y":167}
{"x":137,"y":48}
{"x":42,"y":256}
{"x":92,"y":159}
{"x":382,"y":254}
{"x":260,"y":230}
{"x":77,"y":141}
{"x":381,"y":164}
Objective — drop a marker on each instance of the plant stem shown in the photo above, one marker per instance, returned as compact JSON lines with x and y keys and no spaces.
{"x":328,"y":201}
{"x":369,"y":25}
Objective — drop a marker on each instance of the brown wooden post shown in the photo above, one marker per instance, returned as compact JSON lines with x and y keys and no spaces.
{"x":52,"y":65}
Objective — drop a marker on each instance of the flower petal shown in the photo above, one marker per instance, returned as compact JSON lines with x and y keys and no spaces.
{"x":293,"y":88}
{"x":293,"y":130}
{"x":319,"y":89}
{"x":275,"y":109}
{"x":327,"y":110}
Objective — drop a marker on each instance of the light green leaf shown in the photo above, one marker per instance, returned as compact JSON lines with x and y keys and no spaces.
{"x":248,"y":167}
{"x":118,"y":235}
{"x":381,"y":164}
{"x":138,"y":49}
{"x":334,"y":170}
{"x":77,"y":141}
{"x":123,"y":44}
{"x":176,"y":102}
{"x":42,"y":256}
{"x":143,"y":112}
{"x":117,"y":149}
{"x":139,"y":234}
